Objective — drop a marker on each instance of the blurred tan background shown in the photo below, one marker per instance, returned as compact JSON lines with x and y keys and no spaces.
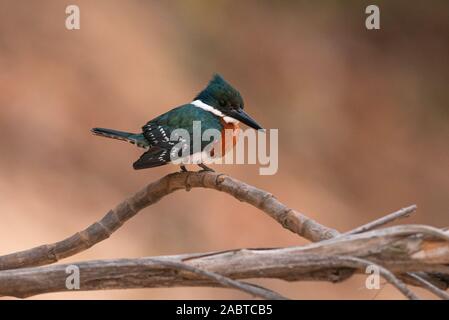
{"x":362,"y":118}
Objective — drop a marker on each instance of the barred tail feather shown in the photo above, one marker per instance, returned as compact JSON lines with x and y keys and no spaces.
{"x":137,"y":139}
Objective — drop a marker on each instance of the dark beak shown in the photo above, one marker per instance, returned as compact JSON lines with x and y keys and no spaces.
{"x":242,"y":116}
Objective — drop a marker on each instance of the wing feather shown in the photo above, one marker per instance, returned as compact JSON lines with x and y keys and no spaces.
{"x":159,"y":130}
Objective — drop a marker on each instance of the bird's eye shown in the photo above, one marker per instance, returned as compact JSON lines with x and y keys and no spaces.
{"x":222,"y":103}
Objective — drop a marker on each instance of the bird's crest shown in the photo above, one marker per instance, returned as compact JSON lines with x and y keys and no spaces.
{"x":220,"y":93}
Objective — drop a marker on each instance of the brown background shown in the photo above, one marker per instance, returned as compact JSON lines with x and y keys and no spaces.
{"x":362,"y":118}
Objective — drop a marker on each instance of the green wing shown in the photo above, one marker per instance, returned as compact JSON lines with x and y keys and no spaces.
{"x":159,"y":130}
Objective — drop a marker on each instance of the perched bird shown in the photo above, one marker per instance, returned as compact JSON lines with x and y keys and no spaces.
{"x":219,"y":106}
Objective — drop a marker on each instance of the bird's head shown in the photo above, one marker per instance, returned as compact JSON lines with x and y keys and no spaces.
{"x":223,"y":97}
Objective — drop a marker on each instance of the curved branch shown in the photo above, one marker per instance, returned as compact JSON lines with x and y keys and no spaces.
{"x":152,"y":193}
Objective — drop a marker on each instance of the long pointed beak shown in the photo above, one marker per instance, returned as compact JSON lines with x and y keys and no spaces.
{"x":245,"y":118}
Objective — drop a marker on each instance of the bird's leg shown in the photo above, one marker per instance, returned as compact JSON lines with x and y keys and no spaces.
{"x":205,"y":168}
{"x":183,"y":168}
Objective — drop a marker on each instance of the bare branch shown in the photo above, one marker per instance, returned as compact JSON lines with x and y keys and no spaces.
{"x":170,"y":272}
{"x":358,"y":263}
{"x":333,"y":257}
{"x":402,"y":213}
{"x":429,"y":286}
{"x":114,"y":219}
{"x":254,"y":290}
{"x":333,"y":260}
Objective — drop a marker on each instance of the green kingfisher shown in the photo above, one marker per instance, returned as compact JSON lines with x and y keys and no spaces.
{"x":219,"y":106}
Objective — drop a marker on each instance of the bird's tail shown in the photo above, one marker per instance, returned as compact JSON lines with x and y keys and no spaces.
{"x":134,"y":138}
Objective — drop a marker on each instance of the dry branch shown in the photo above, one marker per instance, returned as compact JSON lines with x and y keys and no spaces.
{"x":400,"y":252}
{"x":428,"y":285}
{"x":397,"y":251}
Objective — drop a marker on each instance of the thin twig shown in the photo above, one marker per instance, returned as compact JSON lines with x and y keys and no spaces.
{"x":254,"y":290}
{"x":429,"y":286}
{"x":401,"y":230}
{"x":389,"y":276}
{"x":402,"y":213}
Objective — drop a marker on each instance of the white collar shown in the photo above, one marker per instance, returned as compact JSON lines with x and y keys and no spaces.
{"x":205,"y":106}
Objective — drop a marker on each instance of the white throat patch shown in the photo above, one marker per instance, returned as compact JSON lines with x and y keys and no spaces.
{"x":204,"y":106}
